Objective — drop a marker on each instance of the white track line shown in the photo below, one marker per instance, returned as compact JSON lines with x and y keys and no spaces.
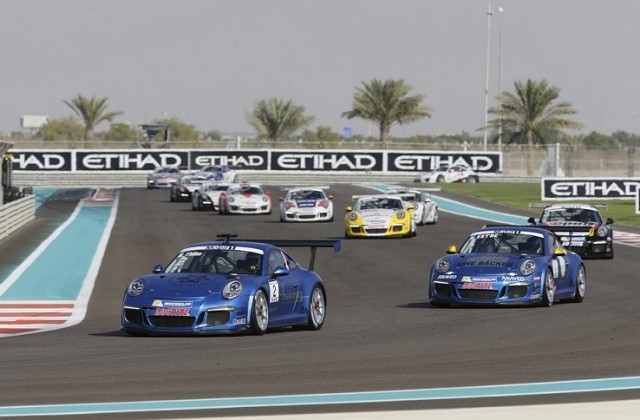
{"x":613,"y":410}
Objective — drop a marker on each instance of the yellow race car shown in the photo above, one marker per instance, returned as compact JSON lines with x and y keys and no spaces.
{"x":379,"y":215}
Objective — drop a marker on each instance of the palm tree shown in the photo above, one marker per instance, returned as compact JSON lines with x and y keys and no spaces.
{"x":533,"y":114}
{"x":276,"y":118}
{"x":92,"y":111}
{"x":387,"y":103}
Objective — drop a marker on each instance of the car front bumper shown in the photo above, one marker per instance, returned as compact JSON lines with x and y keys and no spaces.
{"x":391,"y":231}
{"x":316,"y":216}
{"x":213,"y":320}
{"x":521,"y":293}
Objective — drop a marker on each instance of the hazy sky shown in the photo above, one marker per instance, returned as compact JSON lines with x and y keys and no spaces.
{"x":208,"y":61}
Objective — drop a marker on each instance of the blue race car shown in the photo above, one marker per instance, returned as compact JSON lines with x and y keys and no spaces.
{"x":508,"y":265}
{"x":228,"y":286}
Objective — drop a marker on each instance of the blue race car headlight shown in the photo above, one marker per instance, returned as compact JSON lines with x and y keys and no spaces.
{"x":135,"y":288}
{"x":232,"y":290}
{"x":442,"y":265}
{"x":527,"y":267}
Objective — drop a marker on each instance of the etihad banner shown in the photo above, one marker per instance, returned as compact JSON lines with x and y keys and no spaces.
{"x":239,"y":159}
{"x":589,"y":188}
{"x":41,"y":160}
{"x":129,"y":160}
{"x":339,"y":161}
{"x":487,"y":162}
{"x":332,"y":160}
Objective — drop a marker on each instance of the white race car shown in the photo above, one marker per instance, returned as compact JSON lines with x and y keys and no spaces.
{"x":245,"y":199}
{"x":306,"y":204}
{"x":426,"y":210}
{"x":207,"y":197}
{"x":455,"y":173}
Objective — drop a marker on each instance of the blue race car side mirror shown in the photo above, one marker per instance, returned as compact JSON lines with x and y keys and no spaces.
{"x":158,"y":269}
{"x":279,"y":272}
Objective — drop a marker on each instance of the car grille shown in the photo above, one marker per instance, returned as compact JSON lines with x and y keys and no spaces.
{"x":515,"y":292}
{"x":172,"y":321}
{"x":306,"y":216}
{"x":217,"y":317}
{"x":478,"y":294}
{"x":376,"y":231}
{"x":443,"y":290}
{"x":135,"y":316}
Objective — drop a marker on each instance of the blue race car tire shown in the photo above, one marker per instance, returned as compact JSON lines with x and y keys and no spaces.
{"x":548,"y":289}
{"x":259,"y":308}
{"x":317,"y":308}
{"x":580,"y":289}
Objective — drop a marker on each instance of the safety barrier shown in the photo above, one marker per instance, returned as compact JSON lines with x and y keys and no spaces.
{"x":139,"y":180}
{"x":16,"y":214}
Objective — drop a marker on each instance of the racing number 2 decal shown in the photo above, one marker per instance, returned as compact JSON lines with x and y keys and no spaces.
{"x":559,"y":267}
{"x":274,"y":291}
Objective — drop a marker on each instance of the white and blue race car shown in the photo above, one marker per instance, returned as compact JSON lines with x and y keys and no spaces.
{"x":306,"y":204}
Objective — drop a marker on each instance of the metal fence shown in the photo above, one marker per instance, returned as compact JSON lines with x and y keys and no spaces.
{"x":518,"y":160}
{"x":16,"y":214}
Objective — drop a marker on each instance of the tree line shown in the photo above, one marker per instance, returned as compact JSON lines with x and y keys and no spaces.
{"x":531,"y":113}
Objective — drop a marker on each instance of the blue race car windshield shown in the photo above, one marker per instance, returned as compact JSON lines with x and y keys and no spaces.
{"x":380,"y":203}
{"x":217,"y":261}
{"x":504,"y":242}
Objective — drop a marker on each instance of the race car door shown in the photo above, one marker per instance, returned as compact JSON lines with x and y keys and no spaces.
{"x":283,"y":290}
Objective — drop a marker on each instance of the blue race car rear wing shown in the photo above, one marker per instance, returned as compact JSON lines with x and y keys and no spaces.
{"x":314,"y":244}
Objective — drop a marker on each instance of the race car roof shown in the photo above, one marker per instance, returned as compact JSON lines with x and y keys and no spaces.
{"x":570,"y":206}
{"x":524,"y":228}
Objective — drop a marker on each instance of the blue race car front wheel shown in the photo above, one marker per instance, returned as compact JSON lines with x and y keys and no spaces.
{"x":548,"y":289}
{"x":317,"y":308}
{"x":260,"y":313}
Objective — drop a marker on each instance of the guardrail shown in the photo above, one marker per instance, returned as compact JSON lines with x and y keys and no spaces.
{"x":16,"y":214}
{"x":139,"y":180}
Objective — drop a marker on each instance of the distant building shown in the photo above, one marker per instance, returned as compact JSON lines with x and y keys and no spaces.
{"x":33,"y":122}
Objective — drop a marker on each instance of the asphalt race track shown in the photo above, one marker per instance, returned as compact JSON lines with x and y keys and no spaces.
{"x":380,"y":334}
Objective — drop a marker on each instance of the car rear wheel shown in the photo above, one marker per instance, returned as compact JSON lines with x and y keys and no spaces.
{"x":581,"y":285}
{"x":440,"y":179}
{"x":317,"y":308}
{"x":260,"y":319}
{"x":548,"y":289}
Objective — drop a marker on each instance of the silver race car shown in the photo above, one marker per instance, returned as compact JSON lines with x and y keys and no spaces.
{"x":163,"y":177}
{"x":425,"y":209}
{"x":186,"y":185}
{"x":449,"y":174}
{"x":207,"y":197}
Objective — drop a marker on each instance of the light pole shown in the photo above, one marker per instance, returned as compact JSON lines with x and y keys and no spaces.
{"x":499,"y":91}
{"x":487,"y":71}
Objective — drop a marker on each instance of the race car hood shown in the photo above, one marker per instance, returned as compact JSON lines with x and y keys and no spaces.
{"x":185,"y":286}
{"x":191,"y":187}
{"x":248,"y":199}
{"x":485,"y":264}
